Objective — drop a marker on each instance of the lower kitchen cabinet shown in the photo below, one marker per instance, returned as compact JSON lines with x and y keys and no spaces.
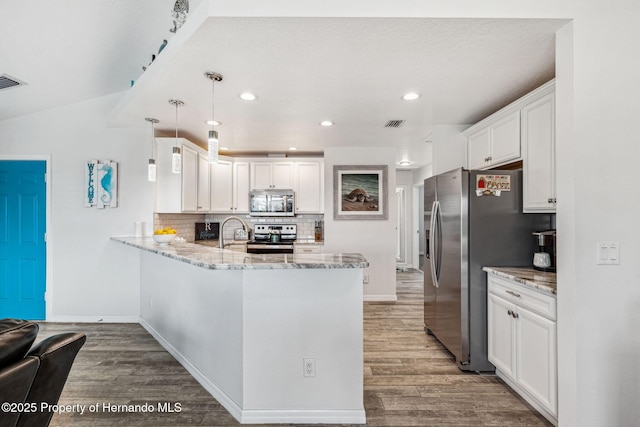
{"x":522,"y":342}
{"x":306,"y":249}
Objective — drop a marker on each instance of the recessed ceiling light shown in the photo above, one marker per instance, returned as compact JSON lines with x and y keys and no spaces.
{"x":248,"y":96}
{"x":411,"y":96}
{"x":405,"y":163}
{"x":292,"y":148}
{"x":224,"y":148}
{"x":326,"y":123}
{"x":213,"y":123}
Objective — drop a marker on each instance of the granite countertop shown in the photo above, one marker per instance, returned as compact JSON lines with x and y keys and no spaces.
{"x":222,"y":259}
{"x":541,"y":280}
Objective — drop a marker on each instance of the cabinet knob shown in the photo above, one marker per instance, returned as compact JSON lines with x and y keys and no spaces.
{"x":510,"y":313}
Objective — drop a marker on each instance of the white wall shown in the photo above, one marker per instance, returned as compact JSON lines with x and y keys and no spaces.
{"x":91,"y":277}
{"x":449,"y":148}
{"x":375,"y":239}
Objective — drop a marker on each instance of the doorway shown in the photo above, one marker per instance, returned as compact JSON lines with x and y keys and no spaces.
{"x":23,"y":251}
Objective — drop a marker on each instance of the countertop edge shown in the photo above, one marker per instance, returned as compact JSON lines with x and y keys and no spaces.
{"x":522,"y":275}
{"x":244,"y":261}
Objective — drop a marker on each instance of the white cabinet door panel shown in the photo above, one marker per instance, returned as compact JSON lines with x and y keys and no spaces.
{"x":536,"y":364}
{"x":505,"y":139}
{"x":189,"y":180}
{"x":501,"y":334}
{"x":222,"y":186}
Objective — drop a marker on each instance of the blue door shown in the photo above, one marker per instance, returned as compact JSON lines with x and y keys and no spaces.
{"x":22,"y":239}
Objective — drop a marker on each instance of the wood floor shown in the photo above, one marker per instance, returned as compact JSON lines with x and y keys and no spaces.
{"x":409,"y":380}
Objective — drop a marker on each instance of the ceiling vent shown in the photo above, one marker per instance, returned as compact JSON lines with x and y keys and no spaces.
{"x":7,"y":82}
{"x":394,"y":123}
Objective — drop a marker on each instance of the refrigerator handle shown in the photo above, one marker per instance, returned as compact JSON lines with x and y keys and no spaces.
{"x":432,"y":240}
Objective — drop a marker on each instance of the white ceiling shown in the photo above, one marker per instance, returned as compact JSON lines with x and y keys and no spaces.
{"x":304,"y":70}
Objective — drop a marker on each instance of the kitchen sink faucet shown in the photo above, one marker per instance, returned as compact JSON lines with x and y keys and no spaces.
{"x":245,"y":227}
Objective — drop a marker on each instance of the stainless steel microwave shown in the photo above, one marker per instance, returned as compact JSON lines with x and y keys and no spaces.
{"x":271,"y":203}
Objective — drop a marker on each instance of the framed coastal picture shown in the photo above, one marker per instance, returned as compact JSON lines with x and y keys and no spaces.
{"x":360,"y":192}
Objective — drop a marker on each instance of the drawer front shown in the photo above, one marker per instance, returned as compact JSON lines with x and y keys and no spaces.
{"x":307,"y":249}
{"x":523,"y":296}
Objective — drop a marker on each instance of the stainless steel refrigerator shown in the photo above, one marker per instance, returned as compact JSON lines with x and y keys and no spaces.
{"x":472,"y":219}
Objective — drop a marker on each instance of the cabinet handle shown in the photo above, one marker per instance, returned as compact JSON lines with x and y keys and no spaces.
{"x":513,"y":293}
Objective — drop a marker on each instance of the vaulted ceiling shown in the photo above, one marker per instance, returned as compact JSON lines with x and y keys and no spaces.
{"x":352,"y":71}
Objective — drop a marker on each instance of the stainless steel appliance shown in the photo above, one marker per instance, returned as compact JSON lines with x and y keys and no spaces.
{"x":271,"y":203}
{"x":472,"y":219}
{"x":274,"y":239}
{"x":545,"y":257}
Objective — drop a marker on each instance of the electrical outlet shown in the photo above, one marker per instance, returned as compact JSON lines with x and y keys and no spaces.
{"x":309,"y":367}
{"x":365,"y":279}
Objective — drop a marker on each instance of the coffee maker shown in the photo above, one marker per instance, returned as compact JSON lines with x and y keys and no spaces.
{"x":545,"y":258}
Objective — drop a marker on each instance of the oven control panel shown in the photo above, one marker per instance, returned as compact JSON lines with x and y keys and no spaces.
{"x":286,"y":231}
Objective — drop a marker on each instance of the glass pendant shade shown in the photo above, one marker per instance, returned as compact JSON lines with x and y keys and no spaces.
{"x":213,"y":146}
{"x":151,"y":171}
{"x":213,"y":143}
{"x":176,"y":160}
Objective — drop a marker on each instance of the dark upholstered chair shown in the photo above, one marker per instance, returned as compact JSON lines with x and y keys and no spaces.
{"x":34,"y":376}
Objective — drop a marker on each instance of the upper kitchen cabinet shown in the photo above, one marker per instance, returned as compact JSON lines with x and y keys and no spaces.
{"x":309,"y":186}
{"x":203,"y":186}
{"x":539,"y":147}
{"x":271,"y":174}
{"x":178,"y":192}
{"x":241,"y":187}
{"x":523,"y":130}
{"x":494,"y":141}
{"x":222,"y":186}
{"x":230,"y":186}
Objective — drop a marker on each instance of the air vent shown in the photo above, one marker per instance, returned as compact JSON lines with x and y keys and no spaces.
{"x":7,"y":82}
{"x":394,"y":123}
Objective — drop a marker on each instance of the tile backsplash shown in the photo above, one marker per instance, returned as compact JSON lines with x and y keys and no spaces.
{"x":185,"y":223}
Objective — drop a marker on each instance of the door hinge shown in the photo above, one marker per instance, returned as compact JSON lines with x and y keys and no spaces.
{"x":45,"y":237}
{"x":45,"y":177}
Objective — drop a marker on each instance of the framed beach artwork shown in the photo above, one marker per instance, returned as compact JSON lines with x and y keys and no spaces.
{"x":360,"y":192}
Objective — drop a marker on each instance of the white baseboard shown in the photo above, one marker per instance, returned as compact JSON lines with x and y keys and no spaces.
{"x":93,"y":319}
{"x":301,"y":416}
{"x":380,"y":298}
{"x":259,"y":416}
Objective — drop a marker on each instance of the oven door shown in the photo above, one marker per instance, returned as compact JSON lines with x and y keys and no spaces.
{"x":264,"y":248}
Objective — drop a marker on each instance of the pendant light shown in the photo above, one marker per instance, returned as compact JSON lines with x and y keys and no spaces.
{"x":151,"y":171}
{"x":176,"y":159}
{"x":213,"y":143}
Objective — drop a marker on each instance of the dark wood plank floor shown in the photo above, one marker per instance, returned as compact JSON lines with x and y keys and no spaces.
{"x":409,"y":380}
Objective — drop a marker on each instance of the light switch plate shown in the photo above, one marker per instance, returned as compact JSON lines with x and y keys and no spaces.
{"x":608,"y":253}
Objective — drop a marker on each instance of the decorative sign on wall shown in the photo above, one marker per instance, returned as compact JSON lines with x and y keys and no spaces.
{"x":101,"y":183}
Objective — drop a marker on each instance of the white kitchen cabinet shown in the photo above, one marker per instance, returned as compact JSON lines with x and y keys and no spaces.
{"x":494,"y":142}
{"x":222,"y":186}
{"x":230,"y":186}
{"x":522,"y":342}
{"x":241,"y":187}
{"x":189,"y":174}
{"x":269,"y":175}
{"x":301,"y":248}
{"x":478,"y":149}
{"x":204,"y":171}
{"x":178,"y":192}
{"x":309,"y":186}
{"x":538,"y":145}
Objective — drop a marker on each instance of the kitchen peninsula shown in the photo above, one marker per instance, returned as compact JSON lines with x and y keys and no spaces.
{"x":275,"y":338}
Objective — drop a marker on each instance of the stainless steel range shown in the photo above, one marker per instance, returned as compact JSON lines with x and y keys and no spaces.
{"x":273,"y":239}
